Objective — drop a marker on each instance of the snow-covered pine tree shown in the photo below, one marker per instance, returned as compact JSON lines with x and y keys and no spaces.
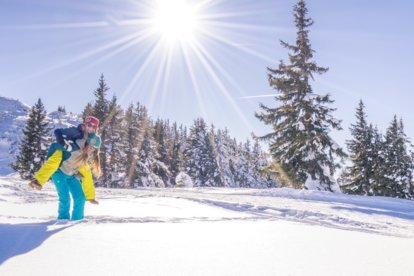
{"x":35,"y":142}
{"x":198,"y":156}
{"x":224,"y":158}
{"x":162,"y":142}
{"x":176,"y":153}
{"x":398,"y":163}
{"x":101,"y":111}
{"x":131,"y":140}
{"x":407,"y":163}
{"x":212,"y":169}
{"x":300,"y":139}
{"x":376,"y":153}
{"x":147,"y":159}
{"x":357,"y":178}
{"x":260,"y":162}
{"x":115,"y":146}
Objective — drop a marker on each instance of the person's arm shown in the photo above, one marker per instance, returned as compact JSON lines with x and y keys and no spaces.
{"x":49,"y":167}
{"x":87,"y":183}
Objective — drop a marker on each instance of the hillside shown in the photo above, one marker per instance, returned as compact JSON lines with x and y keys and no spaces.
{"x":205,"y":231}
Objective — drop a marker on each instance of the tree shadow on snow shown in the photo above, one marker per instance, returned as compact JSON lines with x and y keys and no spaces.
{"x":18,"y":239}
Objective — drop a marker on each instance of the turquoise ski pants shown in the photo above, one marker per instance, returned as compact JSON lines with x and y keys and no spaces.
{"x":65,"y":185}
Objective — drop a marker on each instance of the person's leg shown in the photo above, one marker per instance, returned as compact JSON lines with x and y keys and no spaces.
{"x":62,"y":187}
{"x":75,"y":188}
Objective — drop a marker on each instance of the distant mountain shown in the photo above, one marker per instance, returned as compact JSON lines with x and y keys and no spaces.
{"x":13,"y":117}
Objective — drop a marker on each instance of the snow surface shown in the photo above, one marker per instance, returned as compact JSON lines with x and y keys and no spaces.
{"x":200,"y":231}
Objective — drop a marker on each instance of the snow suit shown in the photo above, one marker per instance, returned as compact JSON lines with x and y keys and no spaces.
{"x":72,"y":134}
{"x":65,"y":178}
{"x":53,"y":158}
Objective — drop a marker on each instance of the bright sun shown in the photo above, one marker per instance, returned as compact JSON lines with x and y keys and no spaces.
{"x":175,"y":20}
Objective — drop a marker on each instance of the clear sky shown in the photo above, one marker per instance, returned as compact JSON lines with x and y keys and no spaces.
{"x":206,"y":58}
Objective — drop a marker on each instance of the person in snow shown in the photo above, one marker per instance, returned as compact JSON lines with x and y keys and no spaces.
{"x":73,"y":176}
{"x":65,"y":138}
{"x":68,"y":136}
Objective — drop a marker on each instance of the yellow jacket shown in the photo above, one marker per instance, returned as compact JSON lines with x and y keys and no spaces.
{"x":52,"y":165}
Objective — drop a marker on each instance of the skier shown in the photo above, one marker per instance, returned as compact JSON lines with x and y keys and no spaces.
{"x":73,"y":176}
{"x":65,"y":138}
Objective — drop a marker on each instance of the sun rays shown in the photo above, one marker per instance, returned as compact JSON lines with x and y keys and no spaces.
{"x":164,"y":33}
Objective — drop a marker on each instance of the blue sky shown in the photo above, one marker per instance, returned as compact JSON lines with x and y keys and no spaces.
{"x":57,"y":50}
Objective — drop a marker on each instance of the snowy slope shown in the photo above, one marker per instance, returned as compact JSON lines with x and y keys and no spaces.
{"x":13,"y":117}
{"x":198,"y":231}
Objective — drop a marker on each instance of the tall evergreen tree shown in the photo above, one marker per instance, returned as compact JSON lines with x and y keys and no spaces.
{"x":147,"y":159}
{"x":300,"y":139}
{"x":88,"y":110}
{"x":114,"y":145}
{"x":198,"y":155}
{"x":398,"y":163}
{"x":357,"y":178}
{"x":224,"y":158}
{"x":34,"y":144}
{"x":101,"y":111}
{"x":161,"y":139}
{"x":131,"y":140}
{"x":176,"y":152}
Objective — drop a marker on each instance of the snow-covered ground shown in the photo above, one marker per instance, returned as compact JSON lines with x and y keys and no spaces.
{"x":197,"y":231}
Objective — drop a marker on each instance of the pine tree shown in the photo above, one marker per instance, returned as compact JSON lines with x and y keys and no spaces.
{"x":161,"y":139}
{"x":300,"y":139}
{"x":131,"y":141}
{"x":176,"y":152}
{"x":224,"y":158}
{"x":358,"y":177}
{"x":398,"y":163}
{"x":101,"y":111}
{"x":376,"y":153}
{"x":88,"y":110}
{"x":212,"y":171}
{"x":199,"y":163}
{"x":61,"y":109}
{"x":34,"y":144}
{"x":147,"y":160}
{"x":114,"y":145}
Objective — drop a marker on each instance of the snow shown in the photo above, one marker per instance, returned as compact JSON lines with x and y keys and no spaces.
{"x":205,"y":231}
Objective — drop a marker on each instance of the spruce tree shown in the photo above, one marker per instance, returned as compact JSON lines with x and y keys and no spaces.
{"x":35,"y":142}
{"x":376,"y":152}
{"x":176,"y":153}
{"x":300,"y":139}
{"x":131,"y":140}
{"x":88,"y":110}
{"x":198,"y":155}
{"x":147,"y":161}
{"x":114,"y":145}
{"x":398,"y":164}
{"x":224,"y":158}
{"x":358,"y":177}
{"x":101,"y":111}
{"x":161,"y":139}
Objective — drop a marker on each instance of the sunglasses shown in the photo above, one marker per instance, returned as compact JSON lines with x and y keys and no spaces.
{"x":90,"y":125}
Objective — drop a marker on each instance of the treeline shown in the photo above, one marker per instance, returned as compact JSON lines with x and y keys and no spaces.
{"x":303,"y":152}
{"x":140,"y":152}
{"x":380,"y":164}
